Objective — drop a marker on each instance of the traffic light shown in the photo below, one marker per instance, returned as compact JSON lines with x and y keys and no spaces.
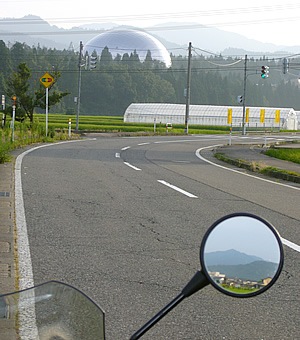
{"x":92,"y":62}
{"x":264,"y":72}
{"x":240,"y":99}
{"x":285,"y":65}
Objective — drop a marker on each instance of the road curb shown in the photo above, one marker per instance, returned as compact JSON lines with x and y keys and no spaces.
{"x":7,"y":218}
{"x":265,"y":167}
{"x":7,"y":244}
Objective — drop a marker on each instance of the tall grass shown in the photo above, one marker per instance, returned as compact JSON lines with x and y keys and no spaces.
{"x":5,"y":148}
{"x":24,"y":134}
{"x":287,"y":154}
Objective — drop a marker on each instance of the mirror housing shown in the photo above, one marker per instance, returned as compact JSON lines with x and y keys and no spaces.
{"x":241,"y":255}
{"x":249,"y":248}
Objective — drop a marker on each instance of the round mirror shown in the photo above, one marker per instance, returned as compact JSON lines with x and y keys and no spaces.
{"x":241,"y":255}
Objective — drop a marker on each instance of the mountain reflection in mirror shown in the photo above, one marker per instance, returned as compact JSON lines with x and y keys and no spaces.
{"x":242,"y":254}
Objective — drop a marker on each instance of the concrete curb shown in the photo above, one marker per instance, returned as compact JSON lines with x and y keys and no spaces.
{"x":7,"y":244}
{"x":7,"y":218}
{"x":254,"y":162}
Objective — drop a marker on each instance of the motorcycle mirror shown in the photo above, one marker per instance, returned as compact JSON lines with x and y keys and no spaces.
{"x":241,"y":255}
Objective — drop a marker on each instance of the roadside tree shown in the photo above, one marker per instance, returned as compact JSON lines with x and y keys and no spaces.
{"x":27,"y":97}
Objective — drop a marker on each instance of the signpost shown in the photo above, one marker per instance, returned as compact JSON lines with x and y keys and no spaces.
{"x":247,"y":115}
{"x":277,"y":118}
{"x":14,"y":99}
{"x":70,"y":125}
{"x":229,"y":121}
{"x":47,"y":80}
{"x":3,"y":108}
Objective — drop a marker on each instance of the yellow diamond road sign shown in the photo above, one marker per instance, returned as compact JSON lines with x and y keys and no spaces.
{"x":47,"y":80}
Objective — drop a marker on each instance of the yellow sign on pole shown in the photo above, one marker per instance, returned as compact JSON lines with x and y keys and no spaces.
{"x":247,"y":115}
{"x":47,"y":80}
{"x":277,"y":116}
{"x":229,"y":116}
{"x":262,"y":115}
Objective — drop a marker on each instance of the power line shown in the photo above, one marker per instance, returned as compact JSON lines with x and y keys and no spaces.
{"x":166,"y":15}
{"x":266,"y":10}
{"x":154,"y":29}
{"x":202,"y":50}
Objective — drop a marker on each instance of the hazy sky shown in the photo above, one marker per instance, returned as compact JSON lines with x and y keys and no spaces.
{"x":246,"y":235}
{"x":268,"y":21}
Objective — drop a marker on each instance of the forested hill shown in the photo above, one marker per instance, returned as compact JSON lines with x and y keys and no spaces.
{"x":113,"y":84}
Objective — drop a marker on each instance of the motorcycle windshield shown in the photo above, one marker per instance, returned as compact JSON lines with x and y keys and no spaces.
{"x":52,"y":310}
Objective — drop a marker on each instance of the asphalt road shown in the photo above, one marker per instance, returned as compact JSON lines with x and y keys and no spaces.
{"x":101,"y":216}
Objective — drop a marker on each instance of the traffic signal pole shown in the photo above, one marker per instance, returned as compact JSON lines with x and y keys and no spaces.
{"x":244,"y":97}
{"x":188,"y":91}
{"x":79,"y":86}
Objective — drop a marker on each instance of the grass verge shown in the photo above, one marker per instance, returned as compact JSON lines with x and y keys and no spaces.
{"x":287,"y":154}
{"x":24,"y":136}
{"x":260,"y":168}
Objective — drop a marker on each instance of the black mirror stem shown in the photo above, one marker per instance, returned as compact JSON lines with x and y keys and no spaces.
{"x":197,"y":282}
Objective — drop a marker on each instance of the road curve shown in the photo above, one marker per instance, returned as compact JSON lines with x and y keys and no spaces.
{"x":122,"y":219}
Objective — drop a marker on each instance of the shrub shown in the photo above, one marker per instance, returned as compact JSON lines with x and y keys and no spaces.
{"x":5,"y":148}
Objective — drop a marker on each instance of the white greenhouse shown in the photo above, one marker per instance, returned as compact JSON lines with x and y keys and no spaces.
{"x":285,"y":118}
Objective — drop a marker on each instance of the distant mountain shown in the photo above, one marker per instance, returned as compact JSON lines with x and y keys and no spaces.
{"x":99,"y":27}
{"x":33,"y":30}
{"x":229,"y":257}
{"x":214,"y":39}
{"x":235,"y":264}
{"x":254,"y":271}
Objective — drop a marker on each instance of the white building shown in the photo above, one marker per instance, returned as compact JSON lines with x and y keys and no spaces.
{"x":210,"y":115}
{"x":298,"y":118}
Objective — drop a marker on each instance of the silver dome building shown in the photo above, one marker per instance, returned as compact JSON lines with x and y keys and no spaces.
{"x":121,"y":41}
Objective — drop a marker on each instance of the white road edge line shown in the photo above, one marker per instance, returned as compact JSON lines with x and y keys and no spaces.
{"x":28,"y":327}
{"x":24,"y":257}
{"x":25,"y":272}
{"x":176,"y":188}
{"x":132,"y":166}
{"x":290,"y":244}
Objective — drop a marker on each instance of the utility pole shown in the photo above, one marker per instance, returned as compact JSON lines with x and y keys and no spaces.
{"x":79,"y":85}
{"x":188,"y":90}
{"x":244,"y":97}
